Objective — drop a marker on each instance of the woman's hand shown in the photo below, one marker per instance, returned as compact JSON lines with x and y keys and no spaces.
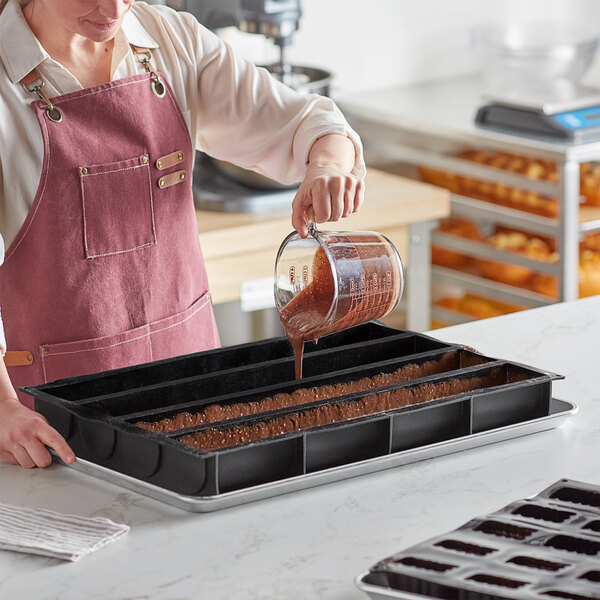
{"x":24,"y":435}
{"x":328,"y":185}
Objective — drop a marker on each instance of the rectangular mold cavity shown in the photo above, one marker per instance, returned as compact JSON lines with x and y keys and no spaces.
{"x":537,"y":563}
{"x":211,"y":361}
{"x":264,"y":379}
{"x":431,"y":363}
{"x":570,"y":543}
{"x":459,"y":546}
{"x":421,"y":563}
{"x":575,"y":495}
{"x":506,"y":530}
{"x":593,"y":526}
{"x":543,"y":513}
{"x":489,"y":579}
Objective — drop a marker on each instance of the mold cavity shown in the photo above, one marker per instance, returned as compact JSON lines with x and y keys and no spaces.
{"x":505,"y":530}
{"x":543,"y":513}
{"x":568,"y":595}
{"x":464,"y":547}
{"x":591,"y":576}
{"x":501,"y":581}
{"x":573,"y":544}
{"x":593,"y":525}
{"x":420,"y":563}
{"x":577,"y":496}
{"x":537,"y":563}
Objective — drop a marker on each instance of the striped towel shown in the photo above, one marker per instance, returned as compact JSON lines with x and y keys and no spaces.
{"x":45,"y":532}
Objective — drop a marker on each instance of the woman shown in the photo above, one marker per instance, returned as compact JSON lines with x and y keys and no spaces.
{"x":102,"y":267}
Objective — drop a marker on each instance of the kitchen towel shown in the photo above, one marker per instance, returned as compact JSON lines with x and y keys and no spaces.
{"x":45,"y":532}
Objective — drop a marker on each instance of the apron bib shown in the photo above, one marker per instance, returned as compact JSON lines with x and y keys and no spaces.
{"x":107,"y":271}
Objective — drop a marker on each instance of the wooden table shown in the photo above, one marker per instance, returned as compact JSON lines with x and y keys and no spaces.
{"x":240,"y":247}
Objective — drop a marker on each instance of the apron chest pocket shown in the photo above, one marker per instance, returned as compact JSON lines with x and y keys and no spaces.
{"x":118,"y":211}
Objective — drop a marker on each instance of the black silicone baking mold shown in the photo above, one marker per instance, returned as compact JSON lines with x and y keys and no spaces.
{"x":97,"y":414}
{"x":539,"y":548}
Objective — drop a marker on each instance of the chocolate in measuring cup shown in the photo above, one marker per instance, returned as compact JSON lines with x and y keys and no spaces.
{"x":332,"y":280}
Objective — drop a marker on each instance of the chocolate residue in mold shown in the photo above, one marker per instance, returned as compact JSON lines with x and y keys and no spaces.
{"x":223,"y":437}
{"x":214,"y":413}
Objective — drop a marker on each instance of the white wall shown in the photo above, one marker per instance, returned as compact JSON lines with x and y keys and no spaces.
{"x":370,"y":44}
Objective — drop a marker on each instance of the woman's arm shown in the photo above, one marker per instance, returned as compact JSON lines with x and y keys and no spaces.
{"x":329,"y":185}
{"x":239,"y":113}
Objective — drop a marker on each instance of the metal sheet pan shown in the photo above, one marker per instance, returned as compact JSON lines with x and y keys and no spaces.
{"x":376,"y":592}
{"x":560,"y":411}
{"x":532,"y":548}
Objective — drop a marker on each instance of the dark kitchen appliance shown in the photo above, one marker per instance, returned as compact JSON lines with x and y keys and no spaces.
{"x":275,"y":19}
{"x":539,"y":548}
{"x":224,"y":187}
{"x":97,"y":413}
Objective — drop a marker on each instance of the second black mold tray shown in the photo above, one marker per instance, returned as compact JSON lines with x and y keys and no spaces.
{"x":539,"y":548}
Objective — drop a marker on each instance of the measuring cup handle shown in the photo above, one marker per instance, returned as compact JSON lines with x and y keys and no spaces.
{"x":311,"y":219}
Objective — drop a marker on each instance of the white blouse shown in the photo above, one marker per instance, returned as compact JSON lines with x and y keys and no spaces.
{"x":271,"y":134}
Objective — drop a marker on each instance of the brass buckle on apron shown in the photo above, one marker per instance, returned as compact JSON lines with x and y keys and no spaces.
{"x":144,"y":56}
{"x":35,"y":87}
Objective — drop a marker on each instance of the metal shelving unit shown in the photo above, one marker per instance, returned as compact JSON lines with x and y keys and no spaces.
{"x":428,"y":125}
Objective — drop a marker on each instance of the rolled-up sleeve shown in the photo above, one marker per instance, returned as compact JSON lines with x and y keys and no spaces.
{"x":247,"y":117}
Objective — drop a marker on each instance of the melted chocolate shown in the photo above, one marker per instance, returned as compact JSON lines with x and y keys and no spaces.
{"x":368,"y":276}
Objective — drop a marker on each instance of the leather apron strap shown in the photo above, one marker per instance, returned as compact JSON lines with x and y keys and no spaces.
{"x":34,"y":84}
{"x":18,"y":358}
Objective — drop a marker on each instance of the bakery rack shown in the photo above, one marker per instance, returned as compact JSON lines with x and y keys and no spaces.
{"x":428,"y":125}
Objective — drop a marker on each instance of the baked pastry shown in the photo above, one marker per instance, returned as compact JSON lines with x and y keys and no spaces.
{"x":590,"y":183}
{"x":522,"y":244}
{"x":476,"y":306}
{"x":589,"y":277}
{"x":589,"y":273}
{"x":590,"y":242}
{"x":462,"y":228}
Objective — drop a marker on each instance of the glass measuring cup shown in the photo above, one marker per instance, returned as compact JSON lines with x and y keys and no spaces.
{"x":332,"y":280}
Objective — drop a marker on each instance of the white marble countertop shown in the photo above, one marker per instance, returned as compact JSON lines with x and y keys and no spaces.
{"x":311,"y":544}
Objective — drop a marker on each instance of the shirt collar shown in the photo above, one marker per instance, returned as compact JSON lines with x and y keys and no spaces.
{"x":21,"y":52}
{"x":135,"y":33}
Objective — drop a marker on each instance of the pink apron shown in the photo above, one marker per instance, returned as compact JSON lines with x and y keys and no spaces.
{"x":107,"y":271}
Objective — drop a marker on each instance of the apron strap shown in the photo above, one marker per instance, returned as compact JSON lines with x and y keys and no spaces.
{"x":144,"y":56}
{"x":140,"y":50}
{"x":31,"y":78}
{"x":18,"y":358}
{"x":34,"y":84}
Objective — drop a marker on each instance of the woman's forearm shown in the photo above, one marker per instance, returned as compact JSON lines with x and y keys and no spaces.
{"x":7,"y":391}
{"x":334,"y":150}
